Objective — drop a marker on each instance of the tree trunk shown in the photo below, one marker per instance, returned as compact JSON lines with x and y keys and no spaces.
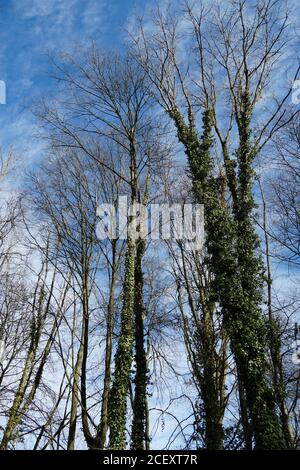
{"x":103,"y":427}
{"x":138,"y":435}
{"x":238,"y":276}
{"x":123,"y":358}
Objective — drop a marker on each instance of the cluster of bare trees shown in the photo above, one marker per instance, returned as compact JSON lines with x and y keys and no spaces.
{"x":123,"y":342}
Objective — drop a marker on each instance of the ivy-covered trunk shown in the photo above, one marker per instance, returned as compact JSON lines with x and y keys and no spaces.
{"x":139,"y":436}
{"x":238,"y":280}
{"x":248,"y":329}
{"x":123,"y":358}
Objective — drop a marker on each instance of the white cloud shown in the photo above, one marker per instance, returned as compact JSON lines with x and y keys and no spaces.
{"x":37,"y":8}
{"x":92,"y":13}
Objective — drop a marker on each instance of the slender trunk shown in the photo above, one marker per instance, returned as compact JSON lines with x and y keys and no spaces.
{"x":247,"y":429}
{"x":108,"y":354}
{"x":275,"y":343}
{"x":15,"y":415}
{"x":75,"y":392}
{"x":138,"y":435}
{"x":90,"y":439}
{"x":214,"y":433}
{"x":209,"y":369}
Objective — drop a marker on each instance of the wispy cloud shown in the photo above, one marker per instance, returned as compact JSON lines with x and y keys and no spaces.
{"x":29,"y":31}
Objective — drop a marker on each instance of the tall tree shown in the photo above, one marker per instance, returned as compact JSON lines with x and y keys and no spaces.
{"x":246,"y":56}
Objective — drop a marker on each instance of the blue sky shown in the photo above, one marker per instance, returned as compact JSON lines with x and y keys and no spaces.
{"x":30,"y":31}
